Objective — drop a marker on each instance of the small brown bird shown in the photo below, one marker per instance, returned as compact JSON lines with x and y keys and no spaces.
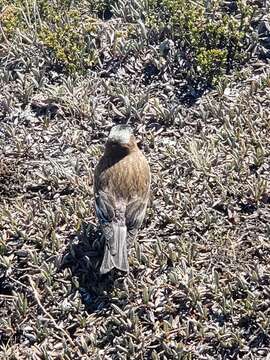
{"x":121,"y":188}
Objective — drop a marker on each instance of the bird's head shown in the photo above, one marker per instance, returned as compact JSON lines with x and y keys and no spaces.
{"x":121,"y":139}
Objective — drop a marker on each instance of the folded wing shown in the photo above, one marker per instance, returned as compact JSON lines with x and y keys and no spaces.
{"x":112,"y":220}
{"x":135,"y":214}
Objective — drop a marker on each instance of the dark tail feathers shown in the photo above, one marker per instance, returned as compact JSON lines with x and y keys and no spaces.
{"x":115,"y":251}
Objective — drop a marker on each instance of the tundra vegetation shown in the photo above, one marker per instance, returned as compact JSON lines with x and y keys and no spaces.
{"x":193,"y":79}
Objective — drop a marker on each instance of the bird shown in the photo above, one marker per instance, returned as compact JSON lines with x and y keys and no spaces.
{"x":122,"y":180}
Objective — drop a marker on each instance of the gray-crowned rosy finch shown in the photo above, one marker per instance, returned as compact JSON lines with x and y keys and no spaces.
{"x":121,"y":187}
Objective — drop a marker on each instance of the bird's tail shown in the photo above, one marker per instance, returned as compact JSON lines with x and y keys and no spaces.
{"x":115,"y":250}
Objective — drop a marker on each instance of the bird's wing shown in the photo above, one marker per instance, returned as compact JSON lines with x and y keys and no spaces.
{"x":104,"y":204}
{"x":135,"y":214}
{"x":105,"y":210}
{"x":112,"y":221}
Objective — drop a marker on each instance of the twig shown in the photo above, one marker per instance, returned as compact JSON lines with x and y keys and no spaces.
{"x":36,"y":295}
{"x":7,"y":297}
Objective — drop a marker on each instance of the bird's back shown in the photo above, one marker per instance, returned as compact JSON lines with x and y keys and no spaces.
{"x":125,"y":178}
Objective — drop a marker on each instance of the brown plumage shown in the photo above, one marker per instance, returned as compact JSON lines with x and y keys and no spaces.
{"x":121,"y":187}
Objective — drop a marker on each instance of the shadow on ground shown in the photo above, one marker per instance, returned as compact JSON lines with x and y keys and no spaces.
{"x":83,"y":257}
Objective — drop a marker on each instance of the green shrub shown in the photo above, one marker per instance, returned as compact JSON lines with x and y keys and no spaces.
{"x":211,"y":37}
{"x":68,"y":37}
{"x":64,"y":28}
{"x":11,"y":18}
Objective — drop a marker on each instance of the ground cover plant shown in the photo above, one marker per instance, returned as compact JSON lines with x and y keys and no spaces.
{"x":192,"y":78}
